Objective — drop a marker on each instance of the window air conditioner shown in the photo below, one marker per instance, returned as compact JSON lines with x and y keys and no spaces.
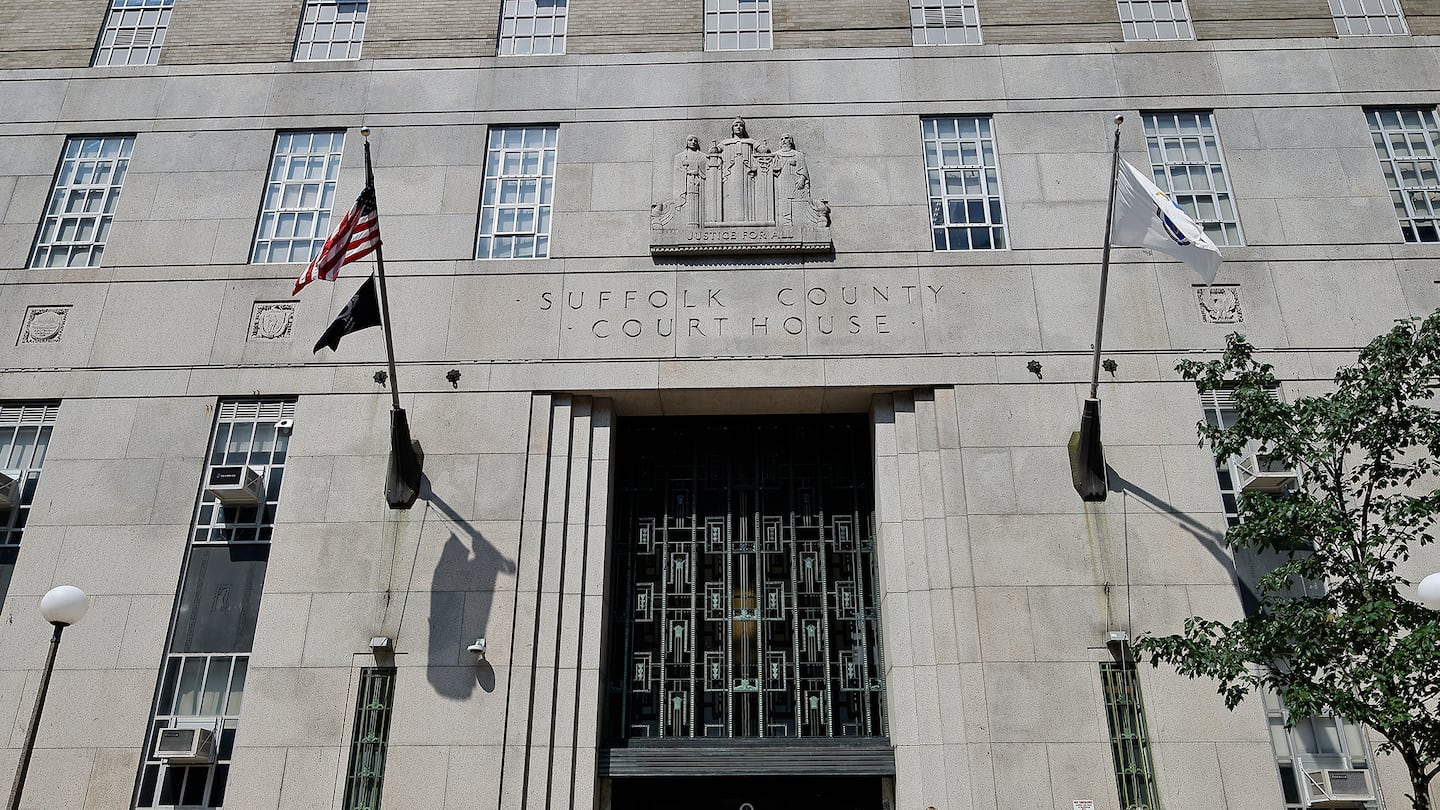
{"x":1259,"y":472}
{"x":186,"y":746}
{"x":1338,"y":788}
{"x":236,"y":485}
{"x":9,"y":492}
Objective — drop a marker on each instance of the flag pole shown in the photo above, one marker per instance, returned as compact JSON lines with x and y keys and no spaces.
{"x":402,"y":481}
{"x":1087,"y":454}
{"x":385,"y":299}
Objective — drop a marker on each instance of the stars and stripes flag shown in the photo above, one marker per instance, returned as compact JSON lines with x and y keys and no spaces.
{"x":356,"y":237}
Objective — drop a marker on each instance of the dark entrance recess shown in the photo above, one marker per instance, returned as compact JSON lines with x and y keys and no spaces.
{"x":758,"y":792}
{"x":744,"y":637}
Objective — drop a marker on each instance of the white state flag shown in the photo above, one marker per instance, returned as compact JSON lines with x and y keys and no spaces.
{"x":1145,"y":216}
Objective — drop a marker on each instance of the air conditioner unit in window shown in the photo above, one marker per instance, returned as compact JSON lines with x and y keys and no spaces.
{"x":1258,"y":471}
{"x":186,"y":746}
{"x":1338,"y":788}
{"x":9,"y":492}
{"x":236,"y":485}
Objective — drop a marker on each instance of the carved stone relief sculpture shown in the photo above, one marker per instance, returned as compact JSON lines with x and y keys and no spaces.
{"x":740,"y":196}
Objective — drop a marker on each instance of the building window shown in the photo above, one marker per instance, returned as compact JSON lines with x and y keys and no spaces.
{"x":331,"y":29}
{"x":369,"y":738}
{"x":200,"y":692}
{"x":295,"y":213}
{"x":737,"y":25}
{"x":1129,"y":738}
{"x":82,"y":202}
{"x":519,"y":188}
{"x":1406,"y":142}
{"x":1367,"y":18}
{"x":530,"y":27}
{"x":1154,"y":20}
{"x":966,"y":208}
{"x":211,"y":637}
{"x":1313,"y":744}
{"x":133,"y":33}
{"x":24,"y":437}
{"x":745,"y":564}
{"x":1188,"y":165}
{"x":945,"y":22}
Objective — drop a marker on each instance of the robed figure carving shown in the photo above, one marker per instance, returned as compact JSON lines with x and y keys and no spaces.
{"x":740,"y":196}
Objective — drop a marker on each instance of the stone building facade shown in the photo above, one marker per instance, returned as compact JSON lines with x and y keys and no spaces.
{"x":870,"y":580}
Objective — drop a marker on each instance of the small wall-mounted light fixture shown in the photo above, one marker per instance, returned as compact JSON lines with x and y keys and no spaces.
{"x":453,"y":376}
{"x":1034,"y":368}
{"x":382,"y":646}
{"x":1110,"y":366}
{"x":478,"y":648}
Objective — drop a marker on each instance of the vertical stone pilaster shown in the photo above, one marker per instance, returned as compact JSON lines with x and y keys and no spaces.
{"x":551,"y":731}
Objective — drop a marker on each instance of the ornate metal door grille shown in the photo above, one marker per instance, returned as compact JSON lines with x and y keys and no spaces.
{"x":744,"y":580}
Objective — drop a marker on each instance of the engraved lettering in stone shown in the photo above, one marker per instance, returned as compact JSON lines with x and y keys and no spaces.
{"x":740,"y":196}
{"x":817,"y":310}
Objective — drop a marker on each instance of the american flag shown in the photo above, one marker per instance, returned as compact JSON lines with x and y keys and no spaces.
{"x":356,"y":237}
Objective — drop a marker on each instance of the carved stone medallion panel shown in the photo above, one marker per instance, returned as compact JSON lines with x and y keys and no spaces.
{"x":44,"y":324}
{"x":740,"y":196}
{"x":271,"y":321}
{"x":1220,"y":303}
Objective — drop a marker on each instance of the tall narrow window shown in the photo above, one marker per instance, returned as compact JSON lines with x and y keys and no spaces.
{"x":1187,"y":163}
{"x":24,"y":437}
{"x":1154,"y":20}
{"x":133,"y":33}
{"x":529,"y":27}
{"x":945,"y":22}
{"x":737,"y":25}
{"x":187,"y":754}
{"x":295,"y":214}
{"x":519,"y":188}
{"x":1129,"y":737}
{"x":369,"y":739}
{"x":966,"y":208}
{"x":82,"y":201}
{"x":1406,"y":142}
{"x":331,"y":29}
{"x":1362,"y":18}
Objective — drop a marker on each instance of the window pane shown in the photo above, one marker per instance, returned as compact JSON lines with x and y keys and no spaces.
{"x":87,"y":184}
{"x":1186,"y":162}
{"x":133,"y":30}
{"x":519,"y":181}
{"x":296,"y":206}
{"x":964,"y":181}
{"x":333,"y":29}
{"x":1406,"y":144}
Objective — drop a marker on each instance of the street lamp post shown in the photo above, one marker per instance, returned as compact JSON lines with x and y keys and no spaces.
{"x":61,"y":606}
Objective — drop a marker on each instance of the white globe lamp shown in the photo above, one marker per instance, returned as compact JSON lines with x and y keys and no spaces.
{"x":1429,"y":591}
{"x":64,"y":605}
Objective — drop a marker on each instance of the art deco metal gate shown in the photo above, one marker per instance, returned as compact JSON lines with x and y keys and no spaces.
{"x":743,"y":580}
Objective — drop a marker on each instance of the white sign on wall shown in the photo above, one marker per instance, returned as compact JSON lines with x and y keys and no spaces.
{"x":1083,"y":804}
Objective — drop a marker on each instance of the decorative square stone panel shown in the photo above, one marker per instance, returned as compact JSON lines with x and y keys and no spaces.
{"x":43,"y":324}
{"x":271,"y":321}
{"x":1220,"y":303}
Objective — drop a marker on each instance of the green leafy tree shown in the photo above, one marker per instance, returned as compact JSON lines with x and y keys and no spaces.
{"x":1350,"y":644}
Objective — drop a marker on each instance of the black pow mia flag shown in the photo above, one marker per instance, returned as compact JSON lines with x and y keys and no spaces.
{"x":362,"y":312}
